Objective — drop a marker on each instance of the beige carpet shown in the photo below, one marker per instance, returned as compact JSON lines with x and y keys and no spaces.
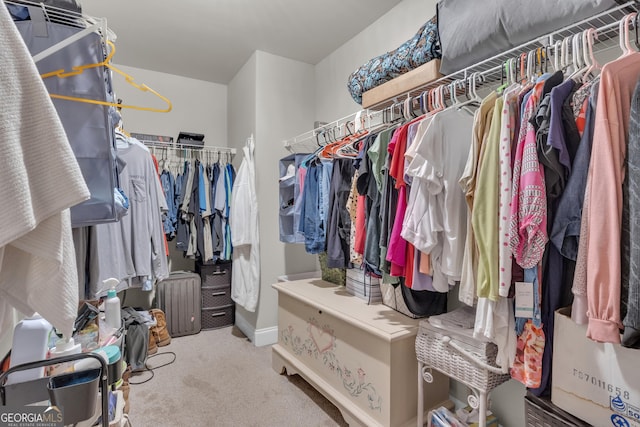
{"x":220,"y":378}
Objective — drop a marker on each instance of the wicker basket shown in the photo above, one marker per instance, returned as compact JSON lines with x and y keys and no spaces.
{"x":459,"y":356}
{"x":542,"y":413}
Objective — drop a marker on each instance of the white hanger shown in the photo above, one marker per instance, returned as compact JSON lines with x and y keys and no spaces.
{"x":556,"y":55}
{"x":406,"y":109}
{"x":564,"y":56}
{"x":452,"y":93}
{"x":577,"y":57}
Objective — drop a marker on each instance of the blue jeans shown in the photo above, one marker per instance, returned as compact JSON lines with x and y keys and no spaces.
{"x":312,"y":222}
{"x":170,"y":220}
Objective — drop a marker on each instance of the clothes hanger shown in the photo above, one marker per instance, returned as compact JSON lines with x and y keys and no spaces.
{"x":443,"y":97}
{"x":474,"y":92}
{"x":504,"y":70}
{"x":106,"y":63}
{"x":531,"y":66}
{"x":636,"y":22}
{"x":453,"y":94}
{"x":405,"y":108}
{"x":623,"y":30}
{"x":564,"y":56}
{"x":590,"y":36}
{"x":577,"y":57}
{"x":556,"y":55}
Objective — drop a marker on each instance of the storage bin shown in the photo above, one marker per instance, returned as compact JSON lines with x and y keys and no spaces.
{"x":76,"y":393}
{"x":459,"y":355}
{"x":214,"y":274}
{"x":216,"y":296}
{"x":541,"y":412}
{"x":363,"y":286}
{"x":218,"y":317}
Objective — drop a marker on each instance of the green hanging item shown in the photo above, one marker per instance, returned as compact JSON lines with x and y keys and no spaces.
{"x":333,"y":275}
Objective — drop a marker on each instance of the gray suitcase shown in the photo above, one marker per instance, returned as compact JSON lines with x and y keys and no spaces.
{"x":179,"y":297}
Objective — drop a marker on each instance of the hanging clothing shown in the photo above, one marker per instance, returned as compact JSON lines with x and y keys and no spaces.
{"x":339,"y":222}
{"x":484,"y":218}
{"x":508,"y":133}
{"x":481,"y":122}
{"x":606,"y":173}
{"x":567,"y":225}
{"x":631,"y":227}
{"x":134,"y":246}
{"x":312,"y":223}
{"x":528,"y":231}
{"x":245,"y":233}
{"x":168,"y":187}
{"x":440,"y":161}
{"x":37,"y":260}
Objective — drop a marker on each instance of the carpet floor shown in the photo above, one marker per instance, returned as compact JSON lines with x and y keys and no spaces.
{"x":219,"y":378}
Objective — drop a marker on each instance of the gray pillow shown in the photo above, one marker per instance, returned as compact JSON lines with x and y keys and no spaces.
{"x":472,"y":30}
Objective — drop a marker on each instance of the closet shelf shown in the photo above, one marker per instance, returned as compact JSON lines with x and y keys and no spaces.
{"x":489,"y":70}
{"x":66,"y":16}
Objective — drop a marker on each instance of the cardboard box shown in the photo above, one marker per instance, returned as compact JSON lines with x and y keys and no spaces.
{"x":596,"y":382}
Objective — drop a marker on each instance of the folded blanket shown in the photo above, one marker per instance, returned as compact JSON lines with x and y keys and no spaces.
{"x":420,"y":49}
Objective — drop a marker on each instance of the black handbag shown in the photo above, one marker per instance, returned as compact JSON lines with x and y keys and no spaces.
{"x":423,"y":303}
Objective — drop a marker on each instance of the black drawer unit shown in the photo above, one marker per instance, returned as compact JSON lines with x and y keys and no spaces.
{"x":218,"y":317}
{"x":218,"y":309}
{"x":215,"y":274}
{"x":216,"y":296}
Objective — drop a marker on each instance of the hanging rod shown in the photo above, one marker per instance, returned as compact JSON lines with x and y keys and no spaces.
{"x":312,"y":139}
{"x":192,"y":147}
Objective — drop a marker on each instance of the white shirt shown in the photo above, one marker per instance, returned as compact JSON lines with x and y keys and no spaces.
{"x":439,"y":162}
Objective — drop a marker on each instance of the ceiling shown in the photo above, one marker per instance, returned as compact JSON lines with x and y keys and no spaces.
{"x":212,"y":39}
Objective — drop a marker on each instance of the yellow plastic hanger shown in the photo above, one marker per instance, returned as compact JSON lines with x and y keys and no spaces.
{"x":80,"y":68}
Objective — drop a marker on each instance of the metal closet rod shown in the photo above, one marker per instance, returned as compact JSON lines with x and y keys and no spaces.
{"x":488,"y":70}
{"x":192,"y":147}
{"x":367,"y":119}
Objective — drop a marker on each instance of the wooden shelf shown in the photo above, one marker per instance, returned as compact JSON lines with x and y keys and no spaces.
{"x":381,"y":96}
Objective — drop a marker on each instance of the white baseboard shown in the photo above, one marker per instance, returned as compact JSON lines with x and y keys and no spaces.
{"x":247,"y":328}
{"x":266,"y":336}
{"x":259,"y":337}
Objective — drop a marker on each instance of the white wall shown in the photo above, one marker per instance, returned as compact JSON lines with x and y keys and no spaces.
{"x":273,"y":98}
{"x":333,"y":100}
{"x":284,"y":107}
{"x":241,"y":109}
{"x":198,"y":106}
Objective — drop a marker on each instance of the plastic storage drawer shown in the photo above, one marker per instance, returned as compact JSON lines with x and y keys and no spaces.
{"x":216,"y":296}
{"x":218,"y":317}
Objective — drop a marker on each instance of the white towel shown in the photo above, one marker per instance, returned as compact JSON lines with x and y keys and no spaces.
{"x":39,"y":181}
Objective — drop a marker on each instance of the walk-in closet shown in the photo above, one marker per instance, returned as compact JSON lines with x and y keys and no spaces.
{"x":369,"y":213}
